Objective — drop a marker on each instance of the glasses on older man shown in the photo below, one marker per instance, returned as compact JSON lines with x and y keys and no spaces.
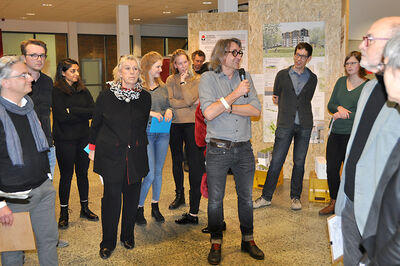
{"x":368,"y":39}
{"x":23,"y":75}
{"x":235,"y":52}
{"x":37,"y":56}
{"x":301,"y":56}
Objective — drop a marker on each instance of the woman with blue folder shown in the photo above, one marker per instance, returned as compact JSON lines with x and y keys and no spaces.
{"x":157,"y":134}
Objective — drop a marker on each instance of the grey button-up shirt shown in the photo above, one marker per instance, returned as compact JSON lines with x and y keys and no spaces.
{"x":226,"y":126}
{"x":298,"y":81}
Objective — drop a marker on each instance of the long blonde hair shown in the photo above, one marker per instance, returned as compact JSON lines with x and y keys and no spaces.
{"x":148,"y":60}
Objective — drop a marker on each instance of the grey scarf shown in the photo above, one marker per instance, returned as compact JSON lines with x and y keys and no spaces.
{"x":12,"y":139}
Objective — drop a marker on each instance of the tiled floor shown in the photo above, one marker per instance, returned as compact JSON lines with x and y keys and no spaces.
{"x":285,"y":236}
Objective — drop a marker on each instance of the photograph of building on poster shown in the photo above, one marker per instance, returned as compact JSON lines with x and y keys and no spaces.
{"x":278,"y":46}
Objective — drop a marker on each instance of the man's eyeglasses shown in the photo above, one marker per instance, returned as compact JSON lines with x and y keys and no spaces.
{"x":23,"y":75}
{"x":36,"y":56}
{"x":369,"y":39}
{"x":351,"y":63}
{"x":302,"y":56}
{"x":235,"y":52}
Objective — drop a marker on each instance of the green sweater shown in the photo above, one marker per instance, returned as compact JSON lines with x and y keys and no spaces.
{"x":348,"y":99}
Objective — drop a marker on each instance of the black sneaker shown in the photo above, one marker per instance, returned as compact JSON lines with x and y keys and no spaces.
{"x":187,"y":219}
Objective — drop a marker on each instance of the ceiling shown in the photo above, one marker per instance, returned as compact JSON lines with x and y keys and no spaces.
{"x":362,"y":12}
{"x":104,"y":11}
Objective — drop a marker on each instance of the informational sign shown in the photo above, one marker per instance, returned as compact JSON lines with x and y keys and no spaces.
{"x":279,"y":42}
{"x":208,"y":39}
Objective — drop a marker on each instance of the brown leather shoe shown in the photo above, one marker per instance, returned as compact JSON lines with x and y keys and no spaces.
{"x":330,"y":209}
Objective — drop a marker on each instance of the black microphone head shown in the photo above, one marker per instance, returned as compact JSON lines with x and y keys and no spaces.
{"x":242,"y":74}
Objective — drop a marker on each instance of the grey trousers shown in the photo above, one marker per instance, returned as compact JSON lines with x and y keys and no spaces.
{"x":41,"y":207}
{"x":351,"y":236}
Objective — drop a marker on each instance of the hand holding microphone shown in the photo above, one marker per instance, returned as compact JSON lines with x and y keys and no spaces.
{"x":242,"y":75}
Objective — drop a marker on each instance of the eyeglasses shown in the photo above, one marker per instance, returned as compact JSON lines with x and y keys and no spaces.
{"x":351,"y":63}
{"x":36,"y":56}
{"x":235,"y":52}
{"x":23,"y":75}
{"x":302,"y":56}
{"x":369,"y":39}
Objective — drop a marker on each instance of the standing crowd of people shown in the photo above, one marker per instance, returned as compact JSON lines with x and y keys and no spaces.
{"x":209,"y":108}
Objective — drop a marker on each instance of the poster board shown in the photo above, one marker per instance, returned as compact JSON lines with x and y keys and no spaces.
{"x":18,"y":236}
{"x":208,"y":39}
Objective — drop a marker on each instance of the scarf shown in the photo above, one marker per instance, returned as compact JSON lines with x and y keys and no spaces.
{"x":124,"y":94}
{"x":12,"y":139}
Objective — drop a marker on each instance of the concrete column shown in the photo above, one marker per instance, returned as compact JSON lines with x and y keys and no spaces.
{"x":137,"y":41}
{"x":227,"y":6}
{"x":122,"y":30}
{"x":73,"y":40}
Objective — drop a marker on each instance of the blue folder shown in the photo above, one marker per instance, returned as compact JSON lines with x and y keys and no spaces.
{"x":159,"y":127}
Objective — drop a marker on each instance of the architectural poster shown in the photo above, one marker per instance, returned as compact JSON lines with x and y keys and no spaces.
{"x":279,"y":41}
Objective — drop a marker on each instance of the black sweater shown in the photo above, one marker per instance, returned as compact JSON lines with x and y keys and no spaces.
{"x":289,"y":102}
{"x":74,"y":124}
{"x":36,"y":164}
{"x":41,"y":96}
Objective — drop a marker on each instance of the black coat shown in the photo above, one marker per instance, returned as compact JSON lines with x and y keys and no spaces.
{"x":119,"y":132}
{"x":71,"y":123}
{"x":381,"y":236}
{"x":289,"y":102}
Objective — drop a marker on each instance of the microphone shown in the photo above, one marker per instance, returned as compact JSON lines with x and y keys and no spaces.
{"x":242,"y":75}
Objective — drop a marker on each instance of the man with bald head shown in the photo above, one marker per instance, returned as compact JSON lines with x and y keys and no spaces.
{"x":375,"y":132}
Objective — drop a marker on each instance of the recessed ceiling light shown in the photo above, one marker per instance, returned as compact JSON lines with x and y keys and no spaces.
{"x":47,"y":4}
{"x":23,"y":17}
{"x":166,"y":12}
{"x":136,"y":19}
{"x":207,"y":3}
{"x":30,"y":14}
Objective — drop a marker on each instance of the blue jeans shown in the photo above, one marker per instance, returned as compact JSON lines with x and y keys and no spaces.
{"x":241,"y":160}
{"x":157,"y":151}
{"x":283,"y":139}
{"x":52,"y":160}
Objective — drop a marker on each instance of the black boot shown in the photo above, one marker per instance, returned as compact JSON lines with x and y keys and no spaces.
{"x":63,"y":221}
{"x":155,"y":212}
{"x":140,"y":220}
{"x":178,"y":201}
{"x":86,"y":213}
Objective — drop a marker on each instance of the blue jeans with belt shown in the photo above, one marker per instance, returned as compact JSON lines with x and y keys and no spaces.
{"x":157,"y":151}
{"x":241,"y":160}
{"x":283,"y":139}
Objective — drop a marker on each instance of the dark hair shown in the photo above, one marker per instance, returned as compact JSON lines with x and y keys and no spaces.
{"x":25,"y":43}
{"x":304,"y":45}
{"x":60,"y":81}
{"x":199,"y":53}
{"x":357,"y":55}
{"x":218,"y":53}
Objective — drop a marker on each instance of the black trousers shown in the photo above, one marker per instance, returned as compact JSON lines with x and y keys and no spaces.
{"x":70,"y":155}
{"x":335,"y":154}
{"x":179,"y":134}
{"x":111,"y":210}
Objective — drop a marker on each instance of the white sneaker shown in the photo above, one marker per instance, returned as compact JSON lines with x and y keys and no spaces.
{"x":261,"y":202}
{"x":296,"y":204}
